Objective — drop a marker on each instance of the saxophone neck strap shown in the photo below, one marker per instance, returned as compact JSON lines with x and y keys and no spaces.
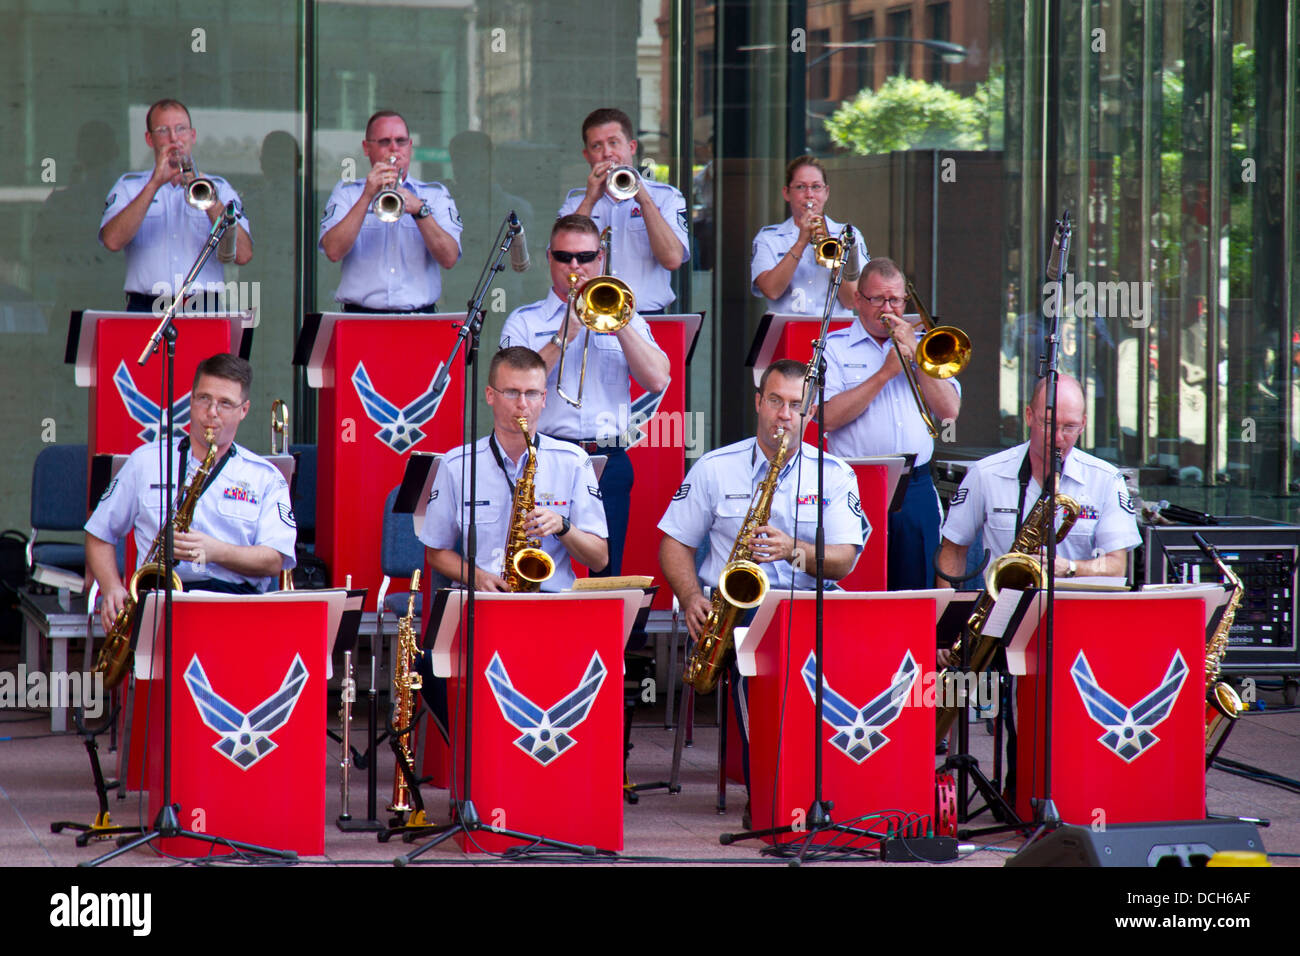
{"x":501,"y":463}
{"x":1026,"y":472}
{"x":183,"y":452}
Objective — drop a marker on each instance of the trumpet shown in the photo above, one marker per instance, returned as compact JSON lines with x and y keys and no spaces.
{"x":200,"y":192}
{"x":624,"y":182}
{"x":602,"y":304}
{"x":826,"y":248}
{"x":389,"y":203}
{"x":942,"y":353}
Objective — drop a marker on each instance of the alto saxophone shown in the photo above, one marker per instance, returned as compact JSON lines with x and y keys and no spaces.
{"x":741,"y":585}
{"x":406,"y":681}
{"x":114,"y":656}
{"x":1018,"y":569}
{"x":525,"y":565}
{"x":1222,"y":702}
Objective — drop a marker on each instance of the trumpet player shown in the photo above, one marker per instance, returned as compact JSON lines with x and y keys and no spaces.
{"x":149,"y":215}
{"x":648,"y":230}
{"x":784,"y":267}
{"x":393,"y":257}
{"x":613,"y":358}
{"x":567,"y":520}
{"x":870,"y":410}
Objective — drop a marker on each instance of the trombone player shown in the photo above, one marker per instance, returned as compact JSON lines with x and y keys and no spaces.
{"x":871,"y":410}
{"x":153,"y":216}
{"x":611,"y":357}
{"x":394,"y":234}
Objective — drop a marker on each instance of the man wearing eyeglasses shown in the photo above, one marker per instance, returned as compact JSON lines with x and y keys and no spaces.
{"x":648,"y":237}
{"x":243,"y":533}
{"x":999,"y":491}
{"x":567,"y":520}
{"x":612,"y":358}
{"x":390,"y":266}
{"x":148,"y":216}
{"x":783,"y":264}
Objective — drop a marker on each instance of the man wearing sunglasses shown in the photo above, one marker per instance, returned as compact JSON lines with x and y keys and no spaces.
{"x":390,"y":266}
{"x":870,"y":410}
{"x":148,"y":217}
{"x":612,"y":357}
{"x":783,"y":263}
{"x":243,"y":533}
{"x":648,"y":234}
{"x":567,"y":521}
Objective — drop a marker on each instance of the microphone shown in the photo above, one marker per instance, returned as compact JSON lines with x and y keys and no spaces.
{"x":852,"y":267}
{"x":1060,"y":248}
{"x":519,"y":247}
{"x":226,"y":248}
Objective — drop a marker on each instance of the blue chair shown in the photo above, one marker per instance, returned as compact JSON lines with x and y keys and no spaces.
{"x":304,"y":493}
{"x":59,"y":504}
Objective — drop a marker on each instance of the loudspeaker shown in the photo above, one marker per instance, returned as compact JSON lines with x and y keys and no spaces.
{"x":1186,"y":843}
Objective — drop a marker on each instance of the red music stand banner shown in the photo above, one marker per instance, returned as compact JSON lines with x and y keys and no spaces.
{"x":547,"y":754}
{"x":1128,"y":710}
{"x":248,"y":717}
{"x":376,"y":403}
{"x":877,"y":733}
{"x":877,"y":480}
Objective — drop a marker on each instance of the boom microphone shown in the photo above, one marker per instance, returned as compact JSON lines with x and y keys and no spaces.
{"x":1060,"y":248}
{"x":519,"y":247}
{"x":852,"y":267}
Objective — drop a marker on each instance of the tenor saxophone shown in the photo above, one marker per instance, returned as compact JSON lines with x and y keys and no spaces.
{"x":114,"y":656}
{"x":1018,"y":569}
{"x":741,"y":586}
{"x":525,"y":565}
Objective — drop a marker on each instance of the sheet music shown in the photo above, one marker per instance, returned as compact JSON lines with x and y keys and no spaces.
{"x":1003,"y":610}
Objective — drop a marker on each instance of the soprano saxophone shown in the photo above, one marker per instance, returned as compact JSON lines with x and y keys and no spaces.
{"x":741,"y":585}
{"x":406,"y":681}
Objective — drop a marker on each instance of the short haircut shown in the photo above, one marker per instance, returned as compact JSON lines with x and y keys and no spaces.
{"x":575,"y":222}
{"x":792,"y":167}
{"x":1061,"y":377}
{"x":879,"y":266}
{"x":386,"y":114}
{"x":606,"y":115}
{"x":162,"y":105}
{"x":787,"y":368}
{"x":516,"y":357}
{"x":230,"y":367}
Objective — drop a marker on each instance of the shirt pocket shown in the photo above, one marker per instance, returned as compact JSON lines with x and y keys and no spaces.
{"x":608,"y":353}
{"x":729,"y":515}
{"x":1003,"y":522}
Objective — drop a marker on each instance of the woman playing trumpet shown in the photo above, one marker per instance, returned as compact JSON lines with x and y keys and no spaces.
{"x":785,"y":268}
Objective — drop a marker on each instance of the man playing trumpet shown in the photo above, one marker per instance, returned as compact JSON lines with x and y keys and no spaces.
{"x":784,"y":267}
{"x":149,"y":215}
{"x":390,"y":264}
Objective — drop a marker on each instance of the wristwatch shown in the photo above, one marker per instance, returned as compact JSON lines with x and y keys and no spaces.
{"x":424,"y":213}
{"x":564,"y":528}
{"x":1072,"y":570}
{"x":557,"y":341}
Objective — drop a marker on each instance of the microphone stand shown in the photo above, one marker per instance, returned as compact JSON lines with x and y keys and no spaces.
{"x":466,"y":817}
{"x":167,"y":823}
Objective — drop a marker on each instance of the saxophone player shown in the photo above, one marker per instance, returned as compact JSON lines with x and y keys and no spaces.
{"x":709,"y":509}
{"x":568,"y":519}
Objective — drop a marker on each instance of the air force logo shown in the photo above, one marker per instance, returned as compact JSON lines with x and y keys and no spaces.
{"x":545,"y":734}
{"x":1128,"y":729}
{"x":643,"y":409}
{"x":858,"y":729}
{"x":399,"y":426}
{"x":144,"y":410}
{"x":245,"y":738}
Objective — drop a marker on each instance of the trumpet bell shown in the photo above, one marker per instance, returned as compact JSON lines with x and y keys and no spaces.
{"x":943,"y":352}
{"x":624,"y":182}
{"x":201,"y":194}
{"x":829,"y":252}
{"x":605,"y":304}
{"x":388,"y":205}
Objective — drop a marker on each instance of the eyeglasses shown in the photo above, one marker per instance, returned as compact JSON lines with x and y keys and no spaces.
{"x":224,"y":406}
{"x":775,"y":402}
{"x":388,"y":142}
{"x":559,"y":255}
{"x":1069,"y":431}
{"x":809,"y":187}
{"x":879,"y":300}
{"x":512,"y":394}
{"x":175,"y":132}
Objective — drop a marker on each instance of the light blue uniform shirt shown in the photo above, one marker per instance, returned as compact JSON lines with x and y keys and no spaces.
{"x":633,"y":260}
{"x":389,"y":266}
{"x":565,"y":482}
{"x":606,"y":397}
{"x":891,"y":424}
{"x":806,"y":294}
{"x":719,"y":489}
{"x":170,"y":235}
{"x":247,"y":504}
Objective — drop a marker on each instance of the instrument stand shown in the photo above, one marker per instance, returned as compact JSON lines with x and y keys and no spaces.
{"x":465,"y":816}
{"x":103,"y":827}
{"x":968,"y":772}
{"x":167,"y":823}
{"x":414,"y":822}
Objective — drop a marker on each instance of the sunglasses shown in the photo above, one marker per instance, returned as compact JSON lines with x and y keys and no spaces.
{"x":560,"y":255}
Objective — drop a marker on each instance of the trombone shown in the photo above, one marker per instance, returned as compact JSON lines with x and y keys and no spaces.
{"x":942,"y":353}
{"x":602,"y":304}
{"x":389,"y":203}
{"x":200,"y":192}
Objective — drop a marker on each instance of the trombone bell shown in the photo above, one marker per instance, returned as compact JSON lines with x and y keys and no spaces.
{"x":943,"y":352}
{"x":602,"y":304}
